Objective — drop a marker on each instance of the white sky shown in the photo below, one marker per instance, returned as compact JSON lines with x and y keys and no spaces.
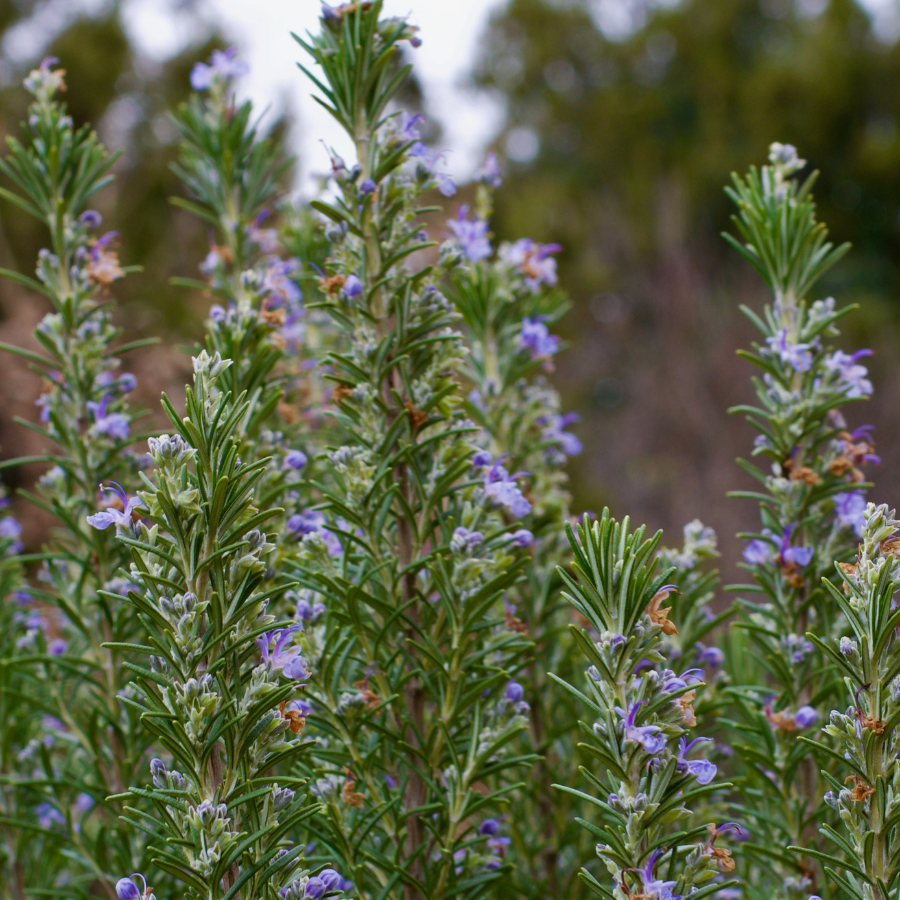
{"x":451,"y":31}
{"x":261,"y":29}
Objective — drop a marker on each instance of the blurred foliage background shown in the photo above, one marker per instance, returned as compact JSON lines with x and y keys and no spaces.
{"x":616,"y":146}
{"x":624,"y":147}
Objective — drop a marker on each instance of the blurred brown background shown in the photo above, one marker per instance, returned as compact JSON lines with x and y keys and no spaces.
{"x":617,"y":142}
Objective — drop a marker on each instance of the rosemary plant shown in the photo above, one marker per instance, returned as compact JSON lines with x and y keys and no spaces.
{"x":646,"y":765}
{"x":811,"y":508}
{"x":72,"y":657}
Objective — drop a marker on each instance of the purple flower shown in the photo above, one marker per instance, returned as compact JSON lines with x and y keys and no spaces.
{"x":501,"y":488}
{"x":278,"y":656}
{"x":797,"y":356}
{"x":115,"y":425}
{"x":313,"y":522}
{"x":463,"y":539}
{"x":121,"y":518}
{"x":652,"y":888}
{"x":126,"y":889}
{"x":852,"y":377}
{"x":798,"y":556}
{"x":489,"y":828}
{"x":710,"y":656}
{"x":48,"y":815}
{"x":758,"y":552}
{"x":367,"y":187}
{"x":314,"y":888}
{"x":522,"y":539}
{"x":11,"y":529}
{"x":514,"y":692}
{"x":645,"y":735}
{"x":471,"y":235}
{"x":295,"y":459}
{"x":535,"y":261}
{"x":568,"y":443}
{"x":850,"y":508}
{"x":57,"y":647}
{"x":482,"y":458}
{"x":223,"y":66}
{"x":806,"y":717}
{"x":536,"y":339}
{"x":408,"y":131}
{"x":353,"y":287}
{"x":90,"y":218}
{"x":702,"y":769}
{"x":489,"y":173}
{"x":427,"y":160}
{"x":307,"y":611}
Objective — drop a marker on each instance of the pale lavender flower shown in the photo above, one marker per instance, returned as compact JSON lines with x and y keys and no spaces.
{"x":806,"y":717}
{"x":279,"y":656}
{"x":654,"y":889}
{"x":295,"y":459}
{"x":313,"y":522}
{"x":121,"y":518}
{"x":710,"y":656}
{"x":223,"y":66}
{"x":501,"y":488}
{"x":798,"y":556}
{"x":758,"y":552}
{"x":553,"y":431}
{"x":114,"y":425}
{"x":427,"y":161}
{"x":645,"y":735}
{"x":11,"y":529}
{"x":702,"y":769}
{"x":278,"y":282}
{"x":853,"y":377}
{"x":471,"y":235}
{"x":57,"y":647}
{"x":850,"y":508}
{"x":407,"y":130}
{"x":90,"y":218}
{"x":482,"y":458}
{"x":797,"y":356}
{"x":536,"y":339}
{"x":522,"y":539}
{"x":353,"y":287}
{"x":48,"y":815}
{"x":489,"y":173}
{"x":535,"y":261}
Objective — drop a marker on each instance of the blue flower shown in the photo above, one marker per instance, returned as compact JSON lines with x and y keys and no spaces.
{"x":806,"y":717}
{"x":522,"y":539}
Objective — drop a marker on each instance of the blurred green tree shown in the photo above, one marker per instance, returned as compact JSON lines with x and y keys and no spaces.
{"x":618,"y":148}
